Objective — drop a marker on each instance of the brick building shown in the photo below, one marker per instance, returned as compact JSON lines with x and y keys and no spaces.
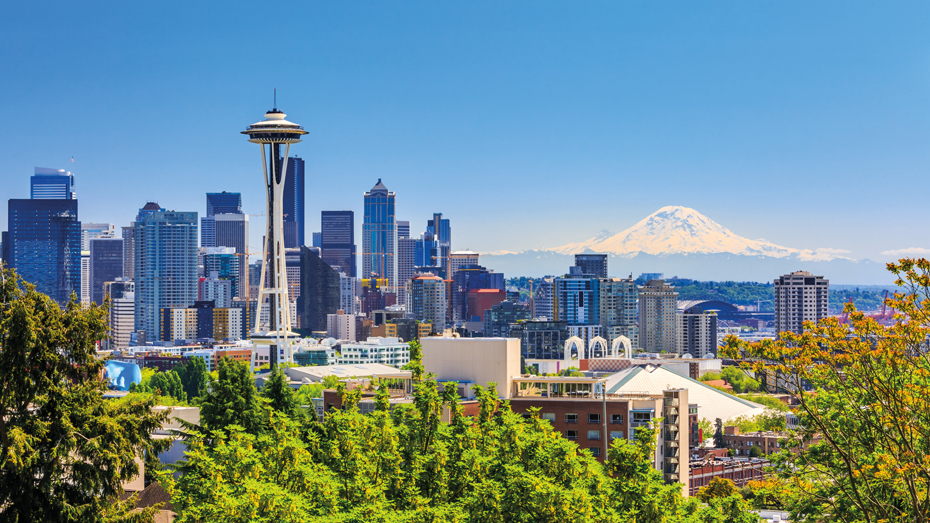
{"x":739,"y":471}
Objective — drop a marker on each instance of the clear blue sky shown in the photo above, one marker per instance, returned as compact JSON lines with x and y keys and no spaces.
{"x":529,"y":124}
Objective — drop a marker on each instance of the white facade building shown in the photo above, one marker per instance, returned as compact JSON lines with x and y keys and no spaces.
{"x":461,"y":259}
{"x":122,"y":321}
{"x":347,"y":286}
{"x":697,"y":334}
{"x":658,"y":324}
{"x":341,"y":326}
{"x":217,"y":290}
{"x":386,"y":351}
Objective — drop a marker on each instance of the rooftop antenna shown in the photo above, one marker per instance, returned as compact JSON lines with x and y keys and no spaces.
{"x":275,"y":98}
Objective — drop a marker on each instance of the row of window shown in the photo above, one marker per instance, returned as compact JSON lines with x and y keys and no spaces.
{"x":592,"y":418}
{"x":594,"y":435}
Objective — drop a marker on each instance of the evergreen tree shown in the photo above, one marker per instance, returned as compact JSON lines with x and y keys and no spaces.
{"x":232,"y":400}
{"x":281,"y":397}
{"x":168,"y":384}
{"x":64,"y":450}
{"x":193,"y":374}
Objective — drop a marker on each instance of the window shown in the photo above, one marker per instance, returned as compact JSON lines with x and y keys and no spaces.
{"x":548,"y":416}
{"x":616,"y":418}
{"x":571,"y":418}
{"x":641,"y":417}
{"x":594,"y":418}
{"x":616,"y":434}
{"x":594,"y":434}
{"x":595,"y":451}
{"x":571,"y":434}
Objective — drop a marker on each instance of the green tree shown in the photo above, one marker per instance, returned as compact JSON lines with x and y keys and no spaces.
{"x":277,"y":390}
{"x":168,"y":384}
{"x":756,"y":452}
{"x":232,"y":400}
{"x":863,"y":390}
{"x":194,"y":377}
{"x":64,"y":449}
{"x":717,"y":488}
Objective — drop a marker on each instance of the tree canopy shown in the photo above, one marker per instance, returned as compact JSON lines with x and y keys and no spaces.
{"x":64,"y":450}
{"x":864,"y":390}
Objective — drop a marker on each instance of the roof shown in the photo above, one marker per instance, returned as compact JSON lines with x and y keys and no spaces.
{"x":486,"y":291}
{"x":712,"y":403}
{"x":379,"y":187}
{"x":151,"y":206}
{"x":705,"y":305}
{"x":361,"y":370}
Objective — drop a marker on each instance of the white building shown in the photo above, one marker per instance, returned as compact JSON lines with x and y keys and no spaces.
{"x":122,"y":314}
{"x":341,"y":326}
{"x":347,"y":286}
{"x":799,"y":297}
{"x":386,"y":351}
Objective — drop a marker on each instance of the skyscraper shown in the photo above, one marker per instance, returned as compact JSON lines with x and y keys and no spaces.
{"x":165,"y":244}
{"x":426,"y":300}
{"x":43,"y":244}
{"x":129,"y":264}
{"x":224,"y":203}
{"x":594,"y":264}
{"x":379,"y":236}
{"x":106,"y":265}
{"x":403,"y":230}
{"x":799,"y":297}
{"x":52,"y":184}
{"x":442,"y":233}
{"x":617,"y":304}
{"x":90,"y":231}
{"x":294,"y":204}
{"x":337,"y":240}
{"x":658,"y":322}
{"x":469,"y":278}
{"x":406,"y":265}
{"x":225,"y":264}
{"x":122,"y":313}
{"x":576,"y":298}
{"x":320,"y":291}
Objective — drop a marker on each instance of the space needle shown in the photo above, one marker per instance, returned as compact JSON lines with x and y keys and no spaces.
{"x":271,"y":133}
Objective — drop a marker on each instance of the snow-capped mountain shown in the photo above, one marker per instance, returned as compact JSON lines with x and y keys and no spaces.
{"x":676,"y":230}
{"x":679,"y":241}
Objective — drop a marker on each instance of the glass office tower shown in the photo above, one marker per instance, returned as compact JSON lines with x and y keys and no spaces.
{"x":294,"y":204}
{"x":379,"y":236}
{"x":43,"y":244}
{"x":52,"y":184}
{"x":338,"y":240}
{"x":106,"y":265}
{"x":224,"y":203}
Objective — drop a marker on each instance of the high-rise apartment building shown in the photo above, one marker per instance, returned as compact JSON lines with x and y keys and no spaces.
{"x":594,"y":264}
{"x":319,"y":290}
{"x":658,"y":322}
{"x":106,"y":265}
{"x":43,"y":244}
{"x":426,"y":300}
{"x":799,"y":297}
{"x":216,"y":289}
{"x":294,"y":204}
{"x":337,"y":240}
{"x":122,"y":313}
{"x":576,"y":298}
{"x":52,"y":184}
{"x":406,"y":265}
{"x":347,"y":290}
{"x":224,"y":264}
{"x":499,"y":318}
{"x":697,"y":333}
{"x":224,"y":203}
{"x":617,"y":304}
{"x":129,"y":264}
{"x":542,"y":300}
{"x":379,"y":236}
{"x":165,"y":244}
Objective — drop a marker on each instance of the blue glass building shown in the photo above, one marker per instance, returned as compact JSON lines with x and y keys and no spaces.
{"x":337,"y":240}
{"x":576,"y":298}
{"x":294,"y":204}
{"x":468,"y":278}
{"x":379,"y":236}
{"x":106,"y":264}
{"x":43,"y":244}
{"x":224,"y":203}
{"x":52,"y":184}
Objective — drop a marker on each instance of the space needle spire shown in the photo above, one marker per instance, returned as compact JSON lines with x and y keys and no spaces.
{"x":271,"y":134}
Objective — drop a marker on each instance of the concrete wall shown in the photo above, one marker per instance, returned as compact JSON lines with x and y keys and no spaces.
{"x":478,"y":360}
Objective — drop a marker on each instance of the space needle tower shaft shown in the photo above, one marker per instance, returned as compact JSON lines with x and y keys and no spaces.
{"x":271,"y":134}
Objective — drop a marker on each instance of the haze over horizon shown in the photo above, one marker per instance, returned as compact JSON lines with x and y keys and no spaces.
{"x":530,"y":125}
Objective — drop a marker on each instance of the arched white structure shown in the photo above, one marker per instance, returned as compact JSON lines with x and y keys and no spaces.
{"x":595,"y":341}
{"x":627,"y":346}
{"x":578,"y":343}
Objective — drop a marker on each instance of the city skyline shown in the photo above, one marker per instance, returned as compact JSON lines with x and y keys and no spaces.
{"x":709,"y":108}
